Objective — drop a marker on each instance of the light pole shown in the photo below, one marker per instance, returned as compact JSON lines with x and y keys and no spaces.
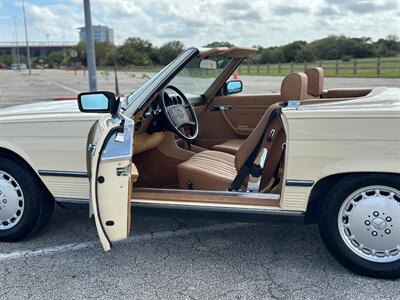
{"x":26,"y":38}
{"x":64,"y":52}
{"x":16,"y":40}
{"x":90,"y":52}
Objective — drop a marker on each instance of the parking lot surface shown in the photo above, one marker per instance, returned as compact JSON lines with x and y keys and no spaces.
{"x":170,"y":257}
{"x":174,"y":258}
{"x":18,"y":87}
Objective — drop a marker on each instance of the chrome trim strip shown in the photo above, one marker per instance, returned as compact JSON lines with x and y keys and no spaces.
{"x":209,"y":192}
{"x":296,"y":182}
{"x":219,"y":208}
{"x":71,"y":200}
{"x":199,"y":207}
{"x":120,"y":149}
{"x":63,"y":173}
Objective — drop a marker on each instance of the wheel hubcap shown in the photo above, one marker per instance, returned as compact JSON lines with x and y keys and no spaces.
{"x":369,"y":223}
{"x":11,"y":201}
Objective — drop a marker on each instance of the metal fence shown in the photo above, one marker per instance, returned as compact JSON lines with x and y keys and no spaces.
{"x":376,"y":67}
{"x":353,"y":67}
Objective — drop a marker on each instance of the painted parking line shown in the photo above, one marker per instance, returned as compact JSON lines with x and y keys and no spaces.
{"x":62,"y":86}
{"x":65,"y":87}
{"x":135,"y":238}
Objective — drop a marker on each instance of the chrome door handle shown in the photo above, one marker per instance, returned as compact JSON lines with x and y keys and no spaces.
{"x":221,"y":107}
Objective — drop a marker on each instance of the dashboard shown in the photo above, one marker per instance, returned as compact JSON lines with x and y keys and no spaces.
{"x":151,"y":118}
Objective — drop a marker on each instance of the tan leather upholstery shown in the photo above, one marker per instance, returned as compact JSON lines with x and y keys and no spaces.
{"x":252,"y":140}
{"x":348,"y":92}
{"x":294,"y":87}
{"x":275,"y":151}
{"x":214,"y":170}
{"x":315,"y":78}
{"x":207,"y":170}
{"x":217,"y":127}
{"x":231,"y":146}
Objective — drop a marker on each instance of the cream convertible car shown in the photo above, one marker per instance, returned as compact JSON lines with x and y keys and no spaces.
{"x":189,"y":140}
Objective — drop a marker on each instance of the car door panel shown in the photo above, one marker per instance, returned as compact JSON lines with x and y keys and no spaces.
{"x":111,"y":177}
{"x":237,"y":120}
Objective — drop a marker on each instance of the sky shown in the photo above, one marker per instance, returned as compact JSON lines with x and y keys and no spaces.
{"x":198,"y":22}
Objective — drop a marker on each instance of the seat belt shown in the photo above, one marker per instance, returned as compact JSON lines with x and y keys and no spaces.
{"x":249,"y":168}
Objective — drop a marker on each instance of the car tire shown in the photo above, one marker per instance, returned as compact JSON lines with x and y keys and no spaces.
{"x":26,"y":205}
{"x":360,"y":212}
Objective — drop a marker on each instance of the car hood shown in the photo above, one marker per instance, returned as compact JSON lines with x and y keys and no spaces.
{"x":40,"y":108}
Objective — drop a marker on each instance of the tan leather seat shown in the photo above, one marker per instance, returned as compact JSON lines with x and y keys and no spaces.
{"x":293,"y":87}
{"x":214,"y":170}
{"x":230,"y":146}
{"x":315,"y":78}
{"x":211,"y":170}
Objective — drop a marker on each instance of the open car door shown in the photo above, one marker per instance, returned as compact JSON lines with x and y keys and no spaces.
{"x":111,"y":176}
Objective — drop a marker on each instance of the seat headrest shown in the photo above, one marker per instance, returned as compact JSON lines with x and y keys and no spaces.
{"x":294,"y":87}
{"x":315,"y":81}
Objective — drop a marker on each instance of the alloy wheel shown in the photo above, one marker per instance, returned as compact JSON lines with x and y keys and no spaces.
{"x":11,"y":201}
{"x":369,"y":223}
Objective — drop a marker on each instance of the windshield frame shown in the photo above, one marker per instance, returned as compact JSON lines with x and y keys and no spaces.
{"x":137,"y":100}
{"x":202,"y":83}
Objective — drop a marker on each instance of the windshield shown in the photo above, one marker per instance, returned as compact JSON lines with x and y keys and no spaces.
{"x":197,"y":76}
{"x":136,"y":100}
{"x":144,"y":86}
{"x":190,"y":73}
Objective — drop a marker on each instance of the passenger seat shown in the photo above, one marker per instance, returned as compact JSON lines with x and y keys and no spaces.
{"x":294,"y":87}
{"x":315,"y":78}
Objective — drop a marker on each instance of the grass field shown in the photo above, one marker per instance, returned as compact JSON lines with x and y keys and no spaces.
{"x":387,"y":67}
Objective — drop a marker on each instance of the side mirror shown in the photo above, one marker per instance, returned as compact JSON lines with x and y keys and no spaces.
{"x":98,"y":102}
{"x":233,"y":87}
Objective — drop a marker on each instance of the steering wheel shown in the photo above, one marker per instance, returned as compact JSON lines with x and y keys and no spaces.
{"x":177,"y":115}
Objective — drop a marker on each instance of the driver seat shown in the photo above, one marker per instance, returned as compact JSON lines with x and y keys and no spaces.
{"x":215,"y":170}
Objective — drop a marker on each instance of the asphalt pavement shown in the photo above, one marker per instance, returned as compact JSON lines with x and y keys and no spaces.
{"x":180,"y":258}
{"x":170,"y":257}
{"x":19,"y":88}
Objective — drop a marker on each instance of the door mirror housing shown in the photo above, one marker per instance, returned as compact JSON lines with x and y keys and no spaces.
{"x":98,"y":102}
{"x":233,"y":87}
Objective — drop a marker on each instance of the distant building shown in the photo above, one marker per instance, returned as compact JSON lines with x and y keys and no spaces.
{"x":101,"y":34}
{"x":36,"y":49}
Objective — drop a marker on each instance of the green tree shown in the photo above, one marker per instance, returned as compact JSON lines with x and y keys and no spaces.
{"x":272,"y":55}
{"x":111,"y":57}
{"x":390,"y":46}
{"x":6,"y":59}
{"x":335,"y":47}
{"x":102,"y":50}
{"x":105,"y":54}
{"x":219,"y":44}
{"x":290,"y":50}
{"x":55,"y":58}
{"x":135,"y":51}
{"x":304,"y":54}
{"x":170,"y":51}
{"x":80,"y":48}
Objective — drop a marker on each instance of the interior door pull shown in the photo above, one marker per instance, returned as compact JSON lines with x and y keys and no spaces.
{"x":221,"y":107}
